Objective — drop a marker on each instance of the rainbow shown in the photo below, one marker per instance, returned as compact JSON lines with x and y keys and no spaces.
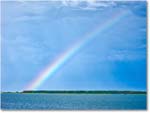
{"x":52,"y":68}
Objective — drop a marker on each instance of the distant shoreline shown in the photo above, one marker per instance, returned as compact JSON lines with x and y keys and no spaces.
{"x":79,"y":92}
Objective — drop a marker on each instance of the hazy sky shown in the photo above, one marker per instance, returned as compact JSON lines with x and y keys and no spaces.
{"x":35,"y":33}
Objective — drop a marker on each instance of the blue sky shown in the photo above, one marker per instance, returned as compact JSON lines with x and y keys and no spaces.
{"x":35,"y":33}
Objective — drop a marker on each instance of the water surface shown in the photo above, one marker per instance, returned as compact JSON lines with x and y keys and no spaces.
{"x":10,"y":101}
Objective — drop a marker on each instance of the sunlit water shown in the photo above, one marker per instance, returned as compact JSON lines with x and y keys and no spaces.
{"x":73,"y":101}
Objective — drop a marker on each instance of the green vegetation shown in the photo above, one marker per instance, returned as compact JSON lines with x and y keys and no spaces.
{"x":80,"y":92}
{"x":86,"y":92}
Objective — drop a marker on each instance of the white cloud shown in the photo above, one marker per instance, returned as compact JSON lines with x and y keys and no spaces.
{"x":72,"y":3}
{"x":88,"y":4}
{"x":123,"y":55}
{"x":36,"y":10}
{"x":28,"y":18}
{"x":24,"y":49}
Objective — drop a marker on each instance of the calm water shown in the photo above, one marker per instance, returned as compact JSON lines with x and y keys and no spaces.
{"x":73,"y":101}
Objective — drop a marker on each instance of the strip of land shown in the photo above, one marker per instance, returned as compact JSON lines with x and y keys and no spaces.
{"x":80,"y":92}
